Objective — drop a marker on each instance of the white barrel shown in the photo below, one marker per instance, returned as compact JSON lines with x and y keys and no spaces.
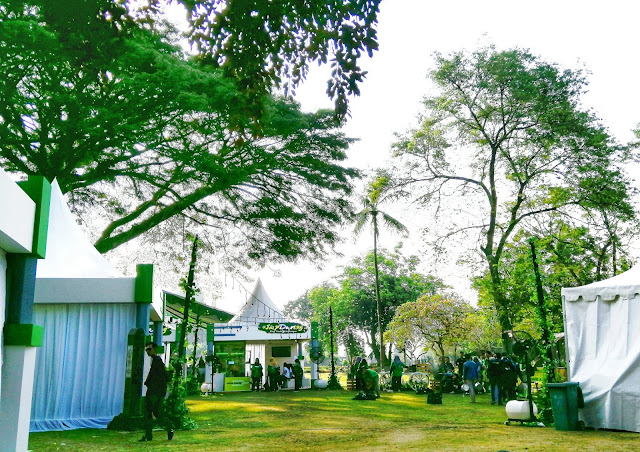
{"x":519,"y":409}
{"x":321,"y":384}
{"x":206,"y":387}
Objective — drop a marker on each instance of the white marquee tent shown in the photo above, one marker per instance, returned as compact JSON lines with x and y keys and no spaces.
{"x":602,"y":327}
{"x":87,"y":308}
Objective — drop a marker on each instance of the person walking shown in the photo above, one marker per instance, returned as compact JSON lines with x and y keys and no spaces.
{"x":396,"y":370}
{"x":470,"y":375}
{"x":297,"y":375}
{"x":156,"y":384}
{"x":256,"y":375}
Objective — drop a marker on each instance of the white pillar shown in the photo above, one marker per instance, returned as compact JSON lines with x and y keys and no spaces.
{"x":18,"y":368}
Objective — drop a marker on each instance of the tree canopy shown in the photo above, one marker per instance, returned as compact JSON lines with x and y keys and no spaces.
{"x":442,"y":320}
{"x":352,"y":297}
{"x":506,"y":137}
{"x":262,"y":44}
{"x":101,"y":101}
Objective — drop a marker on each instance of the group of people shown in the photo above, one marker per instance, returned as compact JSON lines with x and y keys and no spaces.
{"x":495,"y":373}
{"x":275,"y":379}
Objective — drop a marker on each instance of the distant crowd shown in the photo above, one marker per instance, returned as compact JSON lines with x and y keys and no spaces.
{"x":494,"y":373}
{"x":275,"y":378}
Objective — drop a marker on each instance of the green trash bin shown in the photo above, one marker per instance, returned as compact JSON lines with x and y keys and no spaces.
{"x":565,"y":400}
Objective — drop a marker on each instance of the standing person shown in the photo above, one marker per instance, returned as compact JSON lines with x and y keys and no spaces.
{"x":297,"y":375}
{"x":479,"y":385}
{"x":256,"y":375}
{"x":460,"y":364}
{"x":485,"y":368}
{"x":286,"y":374}
{"x":156,"y":384}
{"x":397,"y":367}
{"x":493,"y":373}
{"x":273,"y":374}
{"x":447,"y":375}
{"x":508,"y":379}
{"x":447,"y":367}
{"x":470,"y":375}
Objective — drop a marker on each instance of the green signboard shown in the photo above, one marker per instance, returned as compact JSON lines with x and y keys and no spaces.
{"x":237,"y":384}
{"x":282,"y":328}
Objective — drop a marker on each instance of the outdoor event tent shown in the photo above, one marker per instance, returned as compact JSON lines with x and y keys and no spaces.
{"x":258,"y":330}
{"x":87,"y":309}
{"x":602,"y":327}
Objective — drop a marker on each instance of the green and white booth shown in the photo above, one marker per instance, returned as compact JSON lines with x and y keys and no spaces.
{"x":259,"y":330}
{"x":87,"y":309}
{"x":24,"y":216}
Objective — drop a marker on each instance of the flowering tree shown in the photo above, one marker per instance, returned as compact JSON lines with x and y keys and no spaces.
{"x":439,"y":319}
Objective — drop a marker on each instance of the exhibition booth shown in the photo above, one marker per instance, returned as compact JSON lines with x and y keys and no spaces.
{"x":261,"y":331}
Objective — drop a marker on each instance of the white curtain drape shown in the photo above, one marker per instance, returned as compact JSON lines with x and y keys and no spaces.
{"x":80,"y":368}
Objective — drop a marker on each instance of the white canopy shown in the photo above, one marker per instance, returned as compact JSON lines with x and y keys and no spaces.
{"x":602,"y":327}
{"x":70,"y":254}
{"x":259,"y":307}
{"x":625,"y":284}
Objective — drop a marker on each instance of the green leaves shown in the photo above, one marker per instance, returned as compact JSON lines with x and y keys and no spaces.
{"x":506,"y":130}
{"x":270,"y":44}
{"x":131,"y":126}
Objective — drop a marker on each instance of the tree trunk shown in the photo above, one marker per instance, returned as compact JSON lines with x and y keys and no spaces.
{"x":187,"y":301}
{"x":375,"y":267}
{"x":501,"y":302}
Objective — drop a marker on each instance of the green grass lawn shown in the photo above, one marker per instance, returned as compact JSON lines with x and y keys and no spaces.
{"x":330,"y":420}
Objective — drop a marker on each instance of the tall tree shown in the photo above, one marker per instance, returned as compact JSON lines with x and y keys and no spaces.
{"x":377,"y":194}
{"x":506,"y":135}
{"x":441,"y":320}
{"x":128,"y":124}
{"x":352,"y":296}
{"x":399,"y":283}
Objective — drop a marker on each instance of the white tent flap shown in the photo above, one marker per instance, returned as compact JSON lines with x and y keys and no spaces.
{"x":602,"y":328}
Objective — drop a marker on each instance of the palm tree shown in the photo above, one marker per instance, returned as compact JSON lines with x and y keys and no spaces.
{"x":377,"y":193}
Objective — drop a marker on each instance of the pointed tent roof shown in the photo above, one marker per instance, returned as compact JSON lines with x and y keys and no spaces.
{"x":626,"y":284}
{"x":259,"y":307}
{"x":73,"y":271}
{"x":70,"y":254}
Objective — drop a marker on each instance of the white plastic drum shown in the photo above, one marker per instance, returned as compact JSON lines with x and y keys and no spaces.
{"x":321,"y":384}
{"x":519,"y":409}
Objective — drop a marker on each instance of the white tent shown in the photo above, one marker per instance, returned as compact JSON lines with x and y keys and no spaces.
{"x":87,"y":308}
{"x":258,"y":308}
{"x":602,"y":327}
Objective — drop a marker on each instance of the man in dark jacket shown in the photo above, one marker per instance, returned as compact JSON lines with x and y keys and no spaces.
{"x":298,"y":372}
{"x":494,"y":373}
{"x":156,"y":384}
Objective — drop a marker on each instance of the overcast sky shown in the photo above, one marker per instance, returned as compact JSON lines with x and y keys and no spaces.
{"x":601,"y":37}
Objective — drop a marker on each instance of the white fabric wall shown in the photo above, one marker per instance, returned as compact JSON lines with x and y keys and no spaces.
{"x":603,"y":351}
{"x":3,"y":303}
{"x":80,"y":369}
